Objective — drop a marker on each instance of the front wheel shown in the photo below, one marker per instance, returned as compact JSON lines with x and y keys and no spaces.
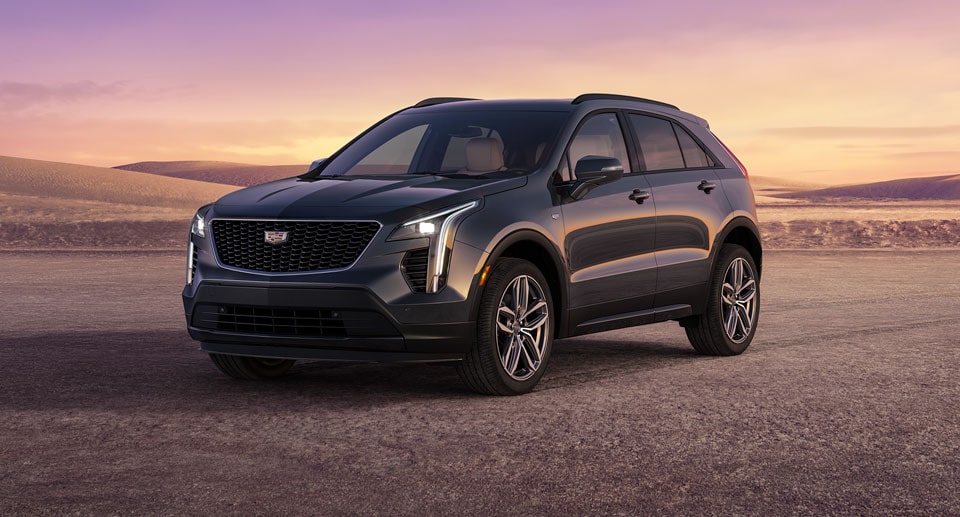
{"x":251,"y":368}
{"x":730,"y":322}
{"x":514,"y":331}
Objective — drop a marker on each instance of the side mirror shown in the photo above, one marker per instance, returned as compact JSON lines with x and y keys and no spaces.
{"x":316,"y":164}
{"x":593,"y":171}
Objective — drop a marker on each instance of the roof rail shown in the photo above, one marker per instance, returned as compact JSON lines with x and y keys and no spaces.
{"x":611,"y":96}
{"x":433,"y":101}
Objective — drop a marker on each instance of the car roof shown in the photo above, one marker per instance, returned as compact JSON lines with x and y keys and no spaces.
{"x":563,"y":105}
{"x":587,"y":102}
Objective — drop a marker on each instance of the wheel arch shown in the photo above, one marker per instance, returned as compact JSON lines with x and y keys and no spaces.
{"x":743,"y":232}
{"x":539,"y":250}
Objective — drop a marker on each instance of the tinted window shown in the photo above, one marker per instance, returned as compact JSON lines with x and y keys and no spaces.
{"x":600,"y":135}
{"x":455,"y":157}
{"x":394,"y":156}
{"x":657,"y":143}
{"x":693,"y":154}
{"x":437,"y":141}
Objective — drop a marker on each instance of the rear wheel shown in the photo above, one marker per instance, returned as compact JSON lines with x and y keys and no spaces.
{"x":251,"y":368}
{"x":728,"y":326}
{"x":514,"y":335}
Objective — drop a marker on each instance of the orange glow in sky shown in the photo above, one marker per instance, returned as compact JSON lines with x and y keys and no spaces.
{"x":819,"y":91}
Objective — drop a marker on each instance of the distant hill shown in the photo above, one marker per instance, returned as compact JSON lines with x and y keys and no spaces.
{"x":227,"y":173}
{"x":930,"y":188}
{"x":772,"y":183}
{"x":54,"y":180}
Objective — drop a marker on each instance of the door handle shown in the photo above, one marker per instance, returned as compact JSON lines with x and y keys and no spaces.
{"x":706,"y":186}
{"x":639,"y":196}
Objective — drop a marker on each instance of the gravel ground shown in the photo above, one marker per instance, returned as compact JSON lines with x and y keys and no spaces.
{"x":846,"y":403}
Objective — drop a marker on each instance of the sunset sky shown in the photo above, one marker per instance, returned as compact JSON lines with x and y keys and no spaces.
{"x":825,"y":91}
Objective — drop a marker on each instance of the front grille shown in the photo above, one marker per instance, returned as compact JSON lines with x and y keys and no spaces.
{"x":310,"y":246}
{"x":414,"y":267}
{"x":295,"y":322}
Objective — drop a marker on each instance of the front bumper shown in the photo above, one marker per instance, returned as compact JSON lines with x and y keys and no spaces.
{"x":344,"y":323}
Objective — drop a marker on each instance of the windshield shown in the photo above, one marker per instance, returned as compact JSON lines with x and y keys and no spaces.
{"x":472,"y":143}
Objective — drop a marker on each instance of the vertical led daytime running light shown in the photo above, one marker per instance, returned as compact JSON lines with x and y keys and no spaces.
{"x":442,"y":244}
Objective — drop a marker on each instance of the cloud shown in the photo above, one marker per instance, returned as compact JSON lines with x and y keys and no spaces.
{"x":18,"y":96}
{"x":859,"y":132}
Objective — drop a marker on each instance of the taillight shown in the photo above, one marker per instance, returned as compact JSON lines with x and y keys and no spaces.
{"x":739,"y":163}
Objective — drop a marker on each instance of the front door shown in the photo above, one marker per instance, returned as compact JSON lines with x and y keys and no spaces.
{"x":609,"y":235}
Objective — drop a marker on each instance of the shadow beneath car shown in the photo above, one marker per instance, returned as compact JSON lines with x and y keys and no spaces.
{"x":164,"y":371}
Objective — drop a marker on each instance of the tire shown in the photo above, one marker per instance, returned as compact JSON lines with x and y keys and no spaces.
{"x":503,"y":358}
{"x":733,"y":307}
{"x":251,"y":368}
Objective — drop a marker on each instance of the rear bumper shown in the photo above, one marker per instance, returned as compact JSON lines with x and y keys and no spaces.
{"x":342,"y":324}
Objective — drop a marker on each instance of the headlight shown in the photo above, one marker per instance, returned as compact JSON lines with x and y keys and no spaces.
{"x":199,"y":226}
{"x":440,"y":228}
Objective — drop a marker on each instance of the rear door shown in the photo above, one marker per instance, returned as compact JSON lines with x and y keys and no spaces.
{"x":609,"y":233}
{"x":691,"y":206}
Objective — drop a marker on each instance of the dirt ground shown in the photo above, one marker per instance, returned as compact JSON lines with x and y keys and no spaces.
{"x":846,"y":403}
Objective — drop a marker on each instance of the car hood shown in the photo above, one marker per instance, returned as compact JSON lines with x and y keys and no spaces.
{"x":357,"y":197}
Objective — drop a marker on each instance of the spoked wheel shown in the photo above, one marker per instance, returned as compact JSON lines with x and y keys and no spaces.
{"x":521,"y":321}
{"x":251,"y":368}
{"x":738,"y":297}
{"x":514,"y":335}
{"x":730,"y":322}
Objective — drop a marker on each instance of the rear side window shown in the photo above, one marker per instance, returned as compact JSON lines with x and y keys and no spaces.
{"x":667,"y":145}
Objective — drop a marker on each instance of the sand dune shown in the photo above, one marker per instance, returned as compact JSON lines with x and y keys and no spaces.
{"x":227,"y":173}
{"x":52,"y":205}
{"x":23,"y":177}
{"x":936,"y":188}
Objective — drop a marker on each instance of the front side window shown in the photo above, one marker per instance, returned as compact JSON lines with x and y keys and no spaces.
{"x":600,"y":135}
{"x":470,"y":143}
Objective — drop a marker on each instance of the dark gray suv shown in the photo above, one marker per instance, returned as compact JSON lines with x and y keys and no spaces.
{"x":476,"y":232}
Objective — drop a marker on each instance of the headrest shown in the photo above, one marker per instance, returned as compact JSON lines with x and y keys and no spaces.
{"x":484,"y":155}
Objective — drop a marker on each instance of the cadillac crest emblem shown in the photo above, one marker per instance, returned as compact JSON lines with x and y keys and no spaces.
{"x":275,"y":237}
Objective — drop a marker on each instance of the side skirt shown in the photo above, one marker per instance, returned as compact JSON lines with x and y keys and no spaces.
{"x":632,"y":319}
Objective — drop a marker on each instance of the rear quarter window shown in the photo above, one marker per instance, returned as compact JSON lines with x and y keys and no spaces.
{"x":693,"y":155}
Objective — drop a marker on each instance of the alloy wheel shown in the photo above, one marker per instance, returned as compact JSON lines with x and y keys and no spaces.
{"x":738,"y":296}
{"x":522,"y":327}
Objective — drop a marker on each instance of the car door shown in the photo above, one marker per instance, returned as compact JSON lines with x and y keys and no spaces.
{"x":691,"y":206}
{"x":609,"y":241}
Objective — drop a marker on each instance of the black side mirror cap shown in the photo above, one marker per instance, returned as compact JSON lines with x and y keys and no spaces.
{"x":593,"y":171}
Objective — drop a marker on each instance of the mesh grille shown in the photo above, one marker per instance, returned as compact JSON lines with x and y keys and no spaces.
{"x":309,"y":246}
{"x":414,"y":267}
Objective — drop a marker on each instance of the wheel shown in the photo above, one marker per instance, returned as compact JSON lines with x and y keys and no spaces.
{"x":728,"y":326}
{"x":514,"y":334}
{"x":251,"y":368}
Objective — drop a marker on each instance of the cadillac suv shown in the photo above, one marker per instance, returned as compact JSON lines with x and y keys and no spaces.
{"x":476,"y":232}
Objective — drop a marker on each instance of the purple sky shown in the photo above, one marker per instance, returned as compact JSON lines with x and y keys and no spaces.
{"x":869,"y":89}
